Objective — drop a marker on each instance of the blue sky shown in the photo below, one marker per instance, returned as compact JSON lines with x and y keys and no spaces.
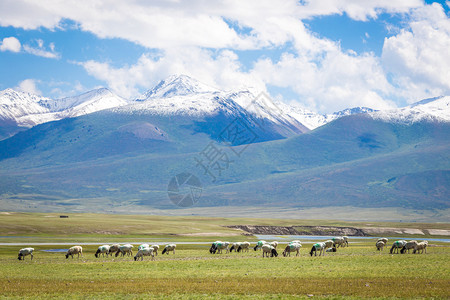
{"x":325,"y":55}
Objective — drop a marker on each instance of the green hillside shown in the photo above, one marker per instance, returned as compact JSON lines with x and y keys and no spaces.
{"x":105,"y":161}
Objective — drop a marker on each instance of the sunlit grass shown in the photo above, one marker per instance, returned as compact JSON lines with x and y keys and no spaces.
{"x":193,"y":273}
{"x":357,"y":271}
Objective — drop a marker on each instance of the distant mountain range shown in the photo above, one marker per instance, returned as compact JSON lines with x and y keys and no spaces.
{"x":175,"y":95}
{"x":98,"y":151}
{"x":187,"y":96}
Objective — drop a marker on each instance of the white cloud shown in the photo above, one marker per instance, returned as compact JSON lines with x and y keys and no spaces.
{"x":29,"y":86}
{"x":10,"y":44}
{"x":338,"y":81}
{"x":200,"y":23}
{"x":419,"y":56}
{"x":200,"y":38}
{"x":216,"y":69}
{"x":40,"y":50}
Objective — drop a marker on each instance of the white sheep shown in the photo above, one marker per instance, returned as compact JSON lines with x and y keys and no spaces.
{"x":104,"y":249}
{"x":143,"y":246}
{"x":274,"y":244}
{"x":422,"y":246}
{"x":235,"y":246}
{"x":380,"y":245}
{"x":397,"y":245}
{"x":291,"y":247}
{"x":266,"y":249}
{"x":318,"y":247}
{"x":169,"y":247}
{"x":218,"y":246}
{"x":145,"y":252}
{"x":74,"y":250}
{"x":385,"y":240}
{"x":125,"y":249}
{"x":345,"y":241}
{"x":24,"y":252}
{"x":408,"y":246}
{"x":155,"y":249}
{"x":259,"y":244}
{"x":244,"y":246}
{"x":329,"y":244}
{"x":113,"y":248}
{"x":338,"y":241}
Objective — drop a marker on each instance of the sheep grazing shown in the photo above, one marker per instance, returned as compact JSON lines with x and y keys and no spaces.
{"x":24,"y":252}
{"x":168,"y":248}
{"x":243,"y":247}
{"x":274,"y":244}
{"x":380,"y":245}
{"x":235,"y":246}
{"x":213,"y":247}
{"x":332,"y":249}
{"x":218,"y":246}
{"x":259,"y":245}
{"x":345,"y":241}
{"x":291,"y":248}
{"x":74,"y":250}
{"x":408,"y":246}
{"x":422,"y":246}
{"x":318,"y":247}
{"x":338,"y":241}
{"x":329,"y":244}
{"x":385,"y":240}
{"x":102,"y":250}
{"x":397,"y":245}
{"x":155,"y":249}
{"x":114,"y":248}
{"x":143,"y":246}
{"x":149,"y":251}
{"x":125,"y":249}
{"x":266,"y":249}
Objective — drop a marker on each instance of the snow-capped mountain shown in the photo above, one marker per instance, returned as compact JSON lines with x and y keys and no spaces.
{"x":28,"y":110}
{"x":15,"y":104}
{"x":86,"y":103}
{"x":433,"y":109}
{"x":183,"y":95}
{"x":313,"y":120}
{"x":177,"y":85}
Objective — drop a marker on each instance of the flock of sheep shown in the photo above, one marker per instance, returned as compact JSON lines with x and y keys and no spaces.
{"x":268,"y":248}
{"x":116,"y":249}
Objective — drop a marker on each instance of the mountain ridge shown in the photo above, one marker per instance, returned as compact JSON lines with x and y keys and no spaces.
{"x":181,"y":94}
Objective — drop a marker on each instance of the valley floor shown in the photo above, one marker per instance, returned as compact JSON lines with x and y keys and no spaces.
{"x":357,"y":271}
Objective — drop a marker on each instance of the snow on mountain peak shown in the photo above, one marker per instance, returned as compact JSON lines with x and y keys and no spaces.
{"x":85,"y":103}
{"x":16,"y":104}
{"x":28,"y":110}
{"x":433,"y":109}
{"x":177,"y":85}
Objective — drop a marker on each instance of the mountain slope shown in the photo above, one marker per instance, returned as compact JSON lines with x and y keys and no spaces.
{"x":314,"y":120}
{"x":245,"y":150}
{"x":177,"y":85}
{"x":354,"y":160}
{"x":19,"y":110}
{"x":434,"y":109}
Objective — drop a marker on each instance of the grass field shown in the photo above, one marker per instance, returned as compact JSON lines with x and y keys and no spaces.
{"x":358,"y":271}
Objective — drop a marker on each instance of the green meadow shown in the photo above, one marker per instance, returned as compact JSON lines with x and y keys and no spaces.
{"x":358,"y":271}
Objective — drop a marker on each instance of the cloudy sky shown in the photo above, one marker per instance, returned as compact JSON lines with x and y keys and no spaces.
{"x":324,"y":54}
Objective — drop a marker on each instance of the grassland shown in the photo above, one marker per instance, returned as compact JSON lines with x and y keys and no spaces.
{"x":192,"y":273}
